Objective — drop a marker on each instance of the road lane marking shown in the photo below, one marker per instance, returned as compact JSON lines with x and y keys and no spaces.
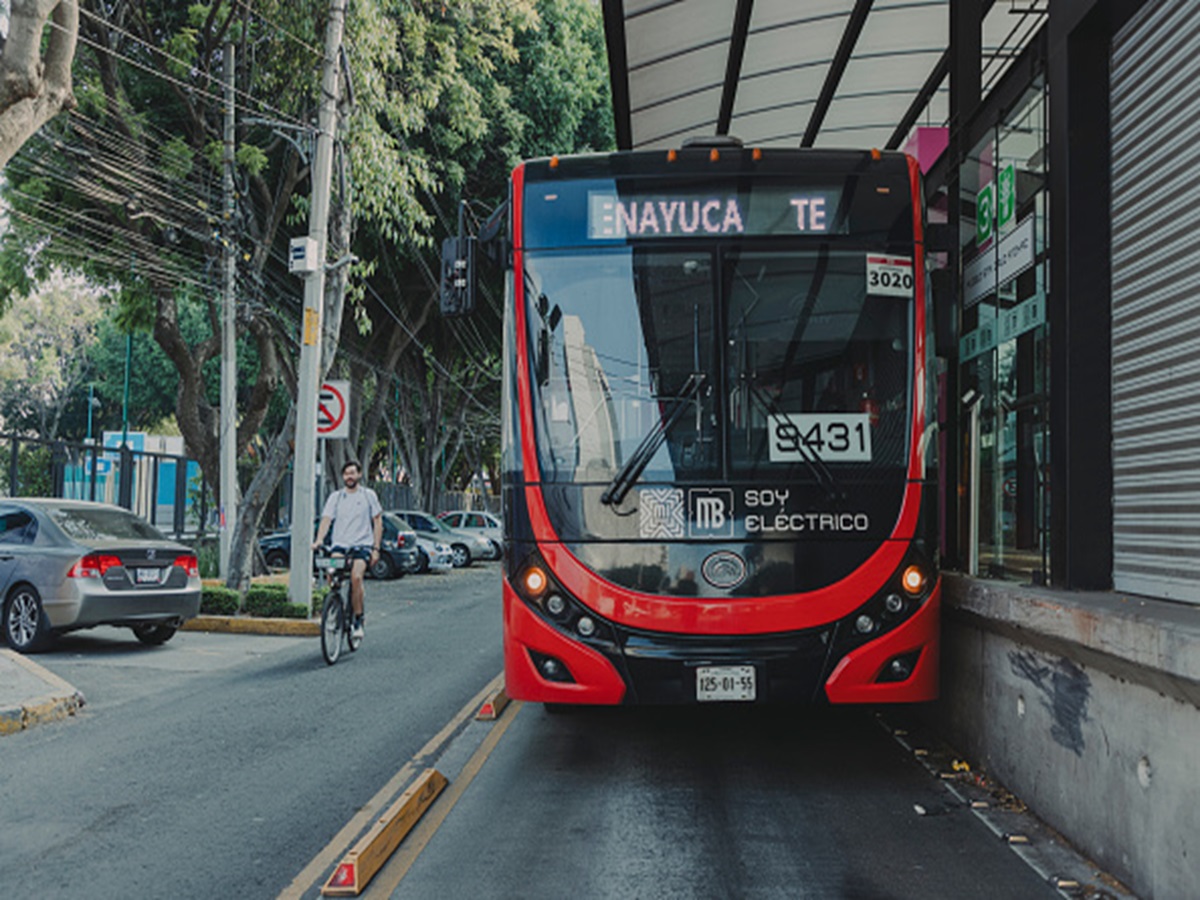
{"x":389,"y":877}
{"x":311,"y":874}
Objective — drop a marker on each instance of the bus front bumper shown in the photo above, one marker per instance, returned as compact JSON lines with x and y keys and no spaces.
{"x":662,"y":668}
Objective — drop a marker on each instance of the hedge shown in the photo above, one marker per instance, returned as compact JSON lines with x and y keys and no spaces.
{"x":264,"y":600}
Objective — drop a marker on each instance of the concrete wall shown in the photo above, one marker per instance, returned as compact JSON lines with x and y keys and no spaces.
{"x":1087,"y":707}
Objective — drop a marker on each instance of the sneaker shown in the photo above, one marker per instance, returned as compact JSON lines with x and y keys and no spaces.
{"x":356,"y":630}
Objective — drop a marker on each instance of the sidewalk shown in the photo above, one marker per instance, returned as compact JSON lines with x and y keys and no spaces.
{"x":30,"y":695}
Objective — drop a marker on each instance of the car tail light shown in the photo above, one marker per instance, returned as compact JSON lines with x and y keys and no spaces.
{"x":189,"y":564}
{"x":94,"y":565}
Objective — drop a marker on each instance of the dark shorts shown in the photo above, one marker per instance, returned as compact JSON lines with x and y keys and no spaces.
{"x":363,"y":553}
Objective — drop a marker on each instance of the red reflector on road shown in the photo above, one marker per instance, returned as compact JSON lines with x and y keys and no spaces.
{"x":344,"y":876}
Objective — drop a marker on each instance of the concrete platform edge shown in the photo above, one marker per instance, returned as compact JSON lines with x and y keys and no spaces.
{"x":254,"y":625}
{"x":52,"y":698}
{"x":1087,"y":706}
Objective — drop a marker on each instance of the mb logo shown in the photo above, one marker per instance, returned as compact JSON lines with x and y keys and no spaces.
{"x":710,"y":512}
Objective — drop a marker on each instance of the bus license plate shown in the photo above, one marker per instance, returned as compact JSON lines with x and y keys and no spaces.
{"x":725,"y":683}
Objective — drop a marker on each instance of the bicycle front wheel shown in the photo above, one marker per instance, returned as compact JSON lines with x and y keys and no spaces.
{"x":331,"y":628}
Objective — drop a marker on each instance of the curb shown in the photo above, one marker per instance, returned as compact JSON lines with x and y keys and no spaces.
{"x":64,"y":702}
{"x":254,"y":625}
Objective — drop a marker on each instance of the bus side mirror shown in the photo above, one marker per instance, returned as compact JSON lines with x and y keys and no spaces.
{"x":459,"y":276}
{"x":944,"y":313}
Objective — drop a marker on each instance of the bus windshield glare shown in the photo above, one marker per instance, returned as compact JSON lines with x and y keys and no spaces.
{"x":689,"y":365}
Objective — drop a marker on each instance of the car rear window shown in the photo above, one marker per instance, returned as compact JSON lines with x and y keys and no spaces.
{"x":86,"y":524}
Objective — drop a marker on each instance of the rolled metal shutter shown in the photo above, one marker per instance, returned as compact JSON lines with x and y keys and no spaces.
{"x":1156,"y":302}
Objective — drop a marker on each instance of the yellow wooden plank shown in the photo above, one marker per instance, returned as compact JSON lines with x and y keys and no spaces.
{"x":372,"y":851}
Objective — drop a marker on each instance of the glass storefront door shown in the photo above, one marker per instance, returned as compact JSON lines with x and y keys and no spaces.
{"x":1004,"y":347}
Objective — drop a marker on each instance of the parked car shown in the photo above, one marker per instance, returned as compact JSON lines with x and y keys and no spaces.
{"x":465,"y":546}
{"x":433,"y":556}
{"x":397,"y":551}
{"x":476,"y":522}
{"x":71,"y":564}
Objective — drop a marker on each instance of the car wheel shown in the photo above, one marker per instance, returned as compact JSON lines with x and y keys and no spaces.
{"x":383,"y":568}
{"x":496,"y":551}
{"x":25,"y":625}
{"x":277,"y":559}
{"x":422,"y":562}
{"x":460,"y":556}
{"x":154,"y":634}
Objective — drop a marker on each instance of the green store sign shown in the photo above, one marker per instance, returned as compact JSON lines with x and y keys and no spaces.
{"x":996,"y":205}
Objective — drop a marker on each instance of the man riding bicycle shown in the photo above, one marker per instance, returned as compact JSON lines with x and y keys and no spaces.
{"x":357,"y":518}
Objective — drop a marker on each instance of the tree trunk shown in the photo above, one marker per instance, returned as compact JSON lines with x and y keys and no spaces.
{"x":244,"y":543}
{"x":34,"y":89}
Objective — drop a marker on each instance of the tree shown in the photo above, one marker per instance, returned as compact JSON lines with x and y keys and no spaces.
{"x":127,"y":189}
{"x":35,"y":86}
{"x":550,"y":95}
{"x":44,"y":346}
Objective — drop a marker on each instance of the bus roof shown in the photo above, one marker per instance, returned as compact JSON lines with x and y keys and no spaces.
{"x":730,"y":161}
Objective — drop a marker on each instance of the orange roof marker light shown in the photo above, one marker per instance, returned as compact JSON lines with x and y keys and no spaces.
{"x":672,"y":155}
{"x":714,"y":154}
{"x":875,"y":154}
{"x":554,"y":162}
{"x":756,"y":154}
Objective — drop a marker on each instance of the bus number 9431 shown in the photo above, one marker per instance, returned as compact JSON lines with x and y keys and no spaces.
{"x":831,"y":437}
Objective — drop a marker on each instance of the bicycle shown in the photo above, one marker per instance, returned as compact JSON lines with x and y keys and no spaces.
{"x":337,"y":615}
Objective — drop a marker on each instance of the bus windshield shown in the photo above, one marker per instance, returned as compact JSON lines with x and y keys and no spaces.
{"x":688,"y":365}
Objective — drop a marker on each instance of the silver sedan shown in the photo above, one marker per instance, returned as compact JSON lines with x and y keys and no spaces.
{"x":67,"y":564}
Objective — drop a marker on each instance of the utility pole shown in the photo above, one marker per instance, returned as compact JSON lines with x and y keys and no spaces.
{"x":228,"y":433}
{"x":303,"y":481}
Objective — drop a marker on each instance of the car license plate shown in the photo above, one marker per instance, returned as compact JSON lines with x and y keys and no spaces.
{"x":726,"y":683}
{"x":149,"y":576}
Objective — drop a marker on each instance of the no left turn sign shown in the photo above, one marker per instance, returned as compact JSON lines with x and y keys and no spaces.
{"x":333,"y":404}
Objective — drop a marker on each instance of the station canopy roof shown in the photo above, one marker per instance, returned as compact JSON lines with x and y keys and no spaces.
{"x":788,"y":73}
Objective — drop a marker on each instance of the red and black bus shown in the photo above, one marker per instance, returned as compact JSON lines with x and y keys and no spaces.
{"x":717,"y":434}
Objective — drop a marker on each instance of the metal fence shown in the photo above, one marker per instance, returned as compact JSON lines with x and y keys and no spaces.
{"x":165,"y":489}
{"x":401,"y":496}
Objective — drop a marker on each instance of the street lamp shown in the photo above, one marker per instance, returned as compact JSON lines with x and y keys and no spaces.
{"x":125,"y":399}
{"x":93,"y":403}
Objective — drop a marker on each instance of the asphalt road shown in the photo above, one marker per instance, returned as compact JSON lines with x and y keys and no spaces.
{"x":711,"y":803}
{"x":227,"y":765}
{"x":220,"y":765}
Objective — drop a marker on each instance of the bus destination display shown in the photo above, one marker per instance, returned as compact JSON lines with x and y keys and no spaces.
{"x":692,"y":214}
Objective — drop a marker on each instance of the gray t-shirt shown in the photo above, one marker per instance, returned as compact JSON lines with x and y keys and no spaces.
{"x":351,"y":514}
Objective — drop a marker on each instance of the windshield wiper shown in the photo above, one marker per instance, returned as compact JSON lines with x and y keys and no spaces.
{"x":628,"y":474}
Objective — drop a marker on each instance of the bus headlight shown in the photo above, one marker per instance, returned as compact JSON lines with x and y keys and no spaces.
{"x":913,"y":581}
{"x":534,"y":581}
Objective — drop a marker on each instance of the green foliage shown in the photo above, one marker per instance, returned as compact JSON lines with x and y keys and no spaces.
{"x":181,"y":50}
{"x":176,"y":159}
{"x":251,"y":158}
{"x":218,"y":600}
{"x":271,"y":601}
{"x":45,"y":340}
{"x":208,"y":555}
